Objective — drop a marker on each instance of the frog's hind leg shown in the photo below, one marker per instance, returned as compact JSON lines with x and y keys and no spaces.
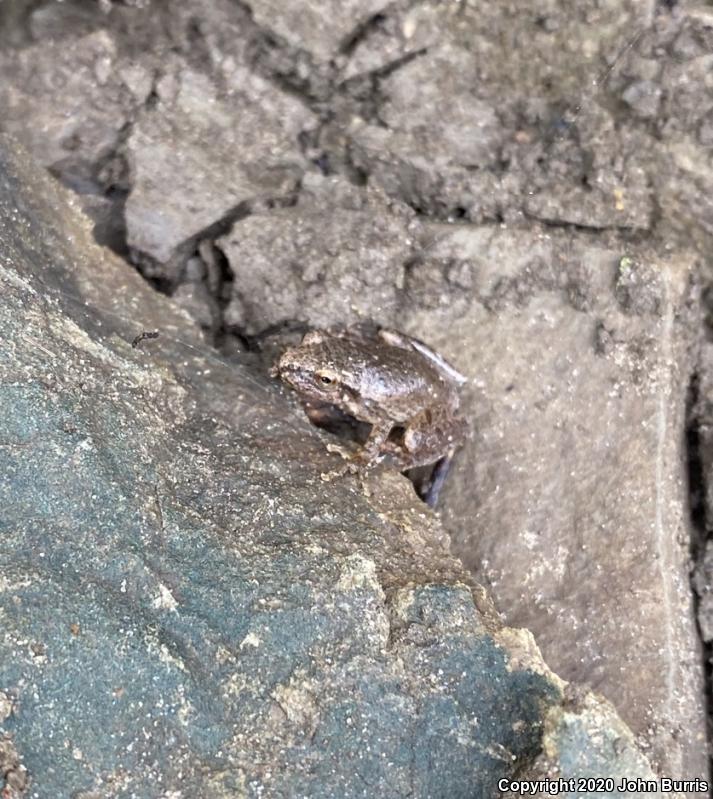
{"x":432,"y":437}
{"x":428,"y":480}
{"x":432,"y":491}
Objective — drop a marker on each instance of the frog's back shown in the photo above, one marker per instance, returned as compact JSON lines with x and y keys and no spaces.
{"x":401,"y":340}
{"x":399,"y":381}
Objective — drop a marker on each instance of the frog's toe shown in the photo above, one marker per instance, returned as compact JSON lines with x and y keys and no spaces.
{"x":327,"y":477}
{"x":350,"y":466}
{"x":359,"y":463}
{"x":343,"y":451}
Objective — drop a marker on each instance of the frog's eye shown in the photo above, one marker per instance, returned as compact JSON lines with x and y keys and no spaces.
{"x":326,"y":379}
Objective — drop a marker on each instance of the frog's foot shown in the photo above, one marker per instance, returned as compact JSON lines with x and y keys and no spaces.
{"x":432,"y":490}
{"x":346,"y":453}
{"x":357,"y":463}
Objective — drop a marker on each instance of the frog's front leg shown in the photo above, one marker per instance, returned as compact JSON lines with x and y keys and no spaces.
{"x":368,"y":454}
{"x":372,"y":448}
{"x":374,"y":444}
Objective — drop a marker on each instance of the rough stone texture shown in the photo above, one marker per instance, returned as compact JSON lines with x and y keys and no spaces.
{"x":211,"y":161}
{"x":354,"y":242}
{"x":588,"y":717}
{"x":597,"y":116}
{"x":491,"y":151}
{"x":666,"y":81}
{"x":403,"y":30}
{"x":320,"y":27}
{"x":71,"y":106}
{"x":172,"y":93}
{"x":569,"y":501}
{"x":68,"y":104}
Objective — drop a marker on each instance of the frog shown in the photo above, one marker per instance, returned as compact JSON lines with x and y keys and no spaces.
{"x":407,"y":392}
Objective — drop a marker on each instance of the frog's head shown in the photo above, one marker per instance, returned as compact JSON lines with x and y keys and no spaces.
{"x":311,"y":369}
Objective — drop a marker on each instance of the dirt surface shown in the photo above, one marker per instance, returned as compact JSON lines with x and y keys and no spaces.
{"x":526,"y":187}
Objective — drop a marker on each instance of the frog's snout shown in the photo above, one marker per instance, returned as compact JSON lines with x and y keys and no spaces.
{"x":286,"y":369}
{"x":282,"y":365}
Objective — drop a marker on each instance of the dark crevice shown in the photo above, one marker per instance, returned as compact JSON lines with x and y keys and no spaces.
{"x":707,"y":302}
{"x":219,"y":280}
{"x":363,"y":91}
{"x":197,"y":52}
{"x":111,"y":231}
{"x":104,"y":186}
{"x":695,"y":472}
{"x":225,"y":276}
{"x":398,"y":63}
{"x":699,"y":525}
{"x":255,"y":341}
{"x":152,"y":98}
{"x":313,"y":151}
{"x":588,"y":229}
{"x":222,"y":225}
{"x":165,"y":277}
{"x":352,"y":171}
{"x":362,"y":32}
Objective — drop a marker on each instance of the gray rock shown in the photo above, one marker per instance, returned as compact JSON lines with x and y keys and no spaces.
{"x":187,"y":607}
{"x":339,"y":255}
{"x":197,"y":157}
{"x":660,"y":75}
{"x":404,"y":30}
{"x":590,"y":718}
{"x":412,"y":154}
{"x":53,"y":21}
{"x":576,"y":440}
{"x":644,"y":97}
{"x":195,"y":298}
{"x":570,"y":501}
{"x":470,"y":156}
{"x":683,"y":174}
{"x":319,"y":26}
{"x":69,"y":103}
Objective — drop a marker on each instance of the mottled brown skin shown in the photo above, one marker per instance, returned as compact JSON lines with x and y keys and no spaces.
{"x":389,"y":381}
